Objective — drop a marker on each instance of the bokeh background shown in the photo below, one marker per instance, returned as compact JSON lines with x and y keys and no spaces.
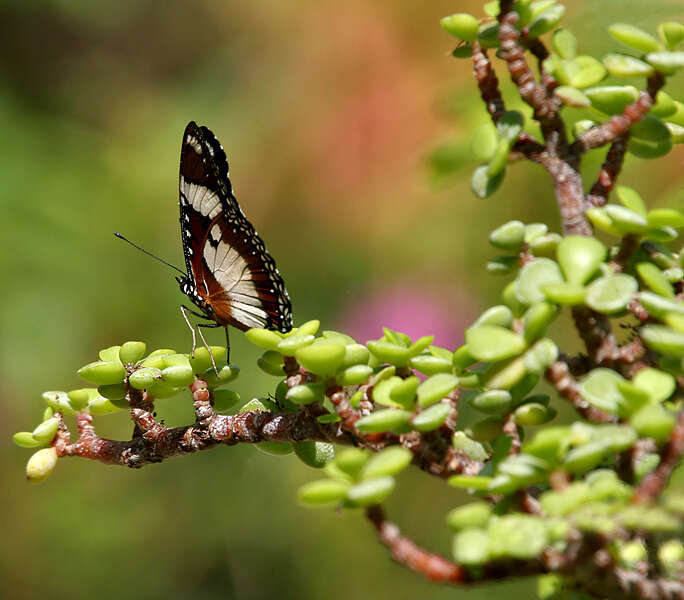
{"x":329,"y":113}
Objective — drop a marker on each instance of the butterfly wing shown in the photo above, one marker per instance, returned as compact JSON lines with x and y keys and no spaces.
{"x":231,"y":276}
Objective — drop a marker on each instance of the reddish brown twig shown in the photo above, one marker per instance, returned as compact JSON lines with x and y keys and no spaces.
{"x":160,"y":442}
{"x":545,"y":106}
{"x":343,"y":408}
{"x":610,"y":169}
{"x":619,"y":125}
{"x":671,"y":455}
{"x":487,"y":82}
{"x":406,"y":552}
{"x":567,"y":183}
{"x":586,"y":560}
{"x":539,"y":51}
{"x":636,"y":308}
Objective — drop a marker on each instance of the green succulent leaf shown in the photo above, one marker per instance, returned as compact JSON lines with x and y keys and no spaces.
{"x":275,"y":448}
{"x":545,"y":21}
{"x":25,"y":439}
{"x":390,"y":352}
{"x":537,"y":319}
{"x":634,"y":37}
{"x":666,"y":61}
{"x":132,"y":352}
{"x":600,"y":389}
{"x":225,"y":400}
{"x":389,"y":461}
{"x":631,"y":199}
{"x":403,"y":393}
{"x":533,"y":276}
{"x":110,"y":354}
{"x":306,"y":393}
{"x":650,"y":138}
{"x":355,"y":375}
{"x":488,"y":35}
{"x":533,"y":414}
{"x":579,"y":257}
{"x":355,"y":354}
{"x":509,"y":236}
{"x":663,"y":339}
{"x":612,"y":293}
{"x":612,"y":100}
{"x":371,"y":491}
{"x":433,"y":389}
{"x":462,"y":26}
{"x":571,"y":96}
{"x":586,"y":457}
{"x":484,"y":141}
{"x":321,"y":359}
{"x":390,"y":419}
{"x":314,"y":454}
{"x":471,"y":546}
{"x":517,"y":536}
{"x":431,"y":418}
{"x":263,"y":338}
{"x":590,"y":72}
{"x":491,"y":343}
{"x":493,"y":402}
{"x":564,"y":293}
{"x":564,"y":44}
{"x":289,"y":345}
{"x":351,"y":461}
{"x":323,"y":492}
{"x":653,"y":421}
{"x":103,"y":373}
{"x":202,"y":359}
{"x":671,"y":34}
{"x":144,"y":378}
{"x":622,"y":65}
{"x":653,"y":277}
{"x":483,"y":184}
{"x":46,"y":431}
{"x":502,"y":265}
{"x":658,"y":384}
{"x":475,"y":514}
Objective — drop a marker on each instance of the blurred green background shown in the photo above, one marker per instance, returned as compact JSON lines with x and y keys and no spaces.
{"x":328,"y":112}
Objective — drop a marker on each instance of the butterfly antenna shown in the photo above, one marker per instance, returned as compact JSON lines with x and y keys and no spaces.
{"x":161,"y":260}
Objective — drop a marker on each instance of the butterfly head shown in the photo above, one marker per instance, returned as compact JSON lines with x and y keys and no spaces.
{"x":186,"y":286}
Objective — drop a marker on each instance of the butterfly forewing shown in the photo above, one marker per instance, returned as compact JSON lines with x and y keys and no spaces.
{"x":231,"y":276}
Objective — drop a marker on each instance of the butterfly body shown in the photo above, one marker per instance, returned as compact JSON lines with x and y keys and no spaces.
{"x":231,"y":277}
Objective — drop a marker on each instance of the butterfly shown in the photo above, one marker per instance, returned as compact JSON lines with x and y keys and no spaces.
{"x":231,"y":276}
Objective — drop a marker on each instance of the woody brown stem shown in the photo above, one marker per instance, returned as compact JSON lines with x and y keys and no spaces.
{"x":610,"y":169}
{"x":619,"y":125}
{"x":655,"y":482}
{"x":406,"y":552}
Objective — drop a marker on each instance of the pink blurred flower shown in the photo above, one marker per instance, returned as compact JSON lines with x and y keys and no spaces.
{"x":411,"y":309}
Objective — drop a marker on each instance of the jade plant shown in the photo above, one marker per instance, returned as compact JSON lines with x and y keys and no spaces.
{"x":583,"y":502}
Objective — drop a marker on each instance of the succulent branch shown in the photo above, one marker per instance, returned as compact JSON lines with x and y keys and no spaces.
{"x":585,"y":504}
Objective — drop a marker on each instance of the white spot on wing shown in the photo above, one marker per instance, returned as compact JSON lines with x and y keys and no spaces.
{"x":201,"y":198}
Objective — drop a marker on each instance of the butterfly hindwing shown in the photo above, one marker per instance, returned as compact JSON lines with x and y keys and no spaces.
{"x":231,"y":275}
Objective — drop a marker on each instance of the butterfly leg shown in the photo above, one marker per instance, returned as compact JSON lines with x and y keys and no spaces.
{"x":211,"y":355}
{"x":183,"y":310}
{"x":227,"y":347}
